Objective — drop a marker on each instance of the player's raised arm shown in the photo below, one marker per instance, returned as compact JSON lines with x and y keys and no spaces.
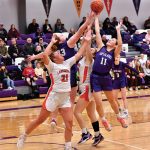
{"x":85,"y":45}
{"x":98,"y":36}
{"x":72,"y":41}
{"x":119,"y":40}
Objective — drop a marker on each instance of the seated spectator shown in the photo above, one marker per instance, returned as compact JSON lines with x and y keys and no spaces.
{"x":146,"y":69}
{"x":38,"y":50}
{"x":29,"y":48}
{"x":5,"y":79}
{"x":13,"y":32}
{"x":134,"y":61}
{"x":3,"y":33}
{"x":4,"y":56}
{"x":127,"y":23}
{"x":58,"y":26}
{"x":82,"y":22}
{"x":38,"y":70}
{"x":131,"y":79}
{"x":142,"y":60}
{"x":109,"y":28}
{"x":71,"y":32}
{"x":47,"y":27}
{"x":147,"y":37}
{"x":33,"y":26}
{"x":133,"y":28}
{"x":63,"y":29}
{"x":42,"y":44}
{"x":29,"y":74}
{"x":114,"y":21}
{"x":14,"y":50}
{"x":38,"y":34}
{"x":147,"y":24}
{"x":137,"y":40}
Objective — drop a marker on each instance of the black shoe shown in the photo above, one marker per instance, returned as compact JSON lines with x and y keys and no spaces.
{"x":97,"y":139}
{"x":85,"y":137}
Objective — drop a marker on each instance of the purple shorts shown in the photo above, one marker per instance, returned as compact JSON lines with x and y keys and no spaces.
{"x":101,"y":83}
{"x":119,"y":83}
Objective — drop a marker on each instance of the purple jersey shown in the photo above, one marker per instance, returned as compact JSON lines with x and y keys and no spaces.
{"x":103,"y":62}
{"x":67,"y":52}
{"x":119,"y":70}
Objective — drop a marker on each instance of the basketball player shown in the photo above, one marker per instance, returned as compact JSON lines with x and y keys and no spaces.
{"x":58,"y":95}
{"x":100,"y":77}
{"x":85,"y":100}
{"x":120,"y":81}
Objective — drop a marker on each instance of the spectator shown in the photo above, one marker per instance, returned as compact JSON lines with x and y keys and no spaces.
{"x":133,"y":28}
{"x":13,"y":32}
{"x":109,"y":28}
{"x":82,"y":22}
{"x":42,"y":44}
{"x":58,"y":26}
{"x":146,"y":69}
{"x":14,"y":50}
{"x":147,"y":37}
{"x":3,"y":33}
{"x":127,"y":23}
{"x":147,"y":23}
{"x":71,"y":33}
{"x":131,"y":78}
{"x":5,"y":79}
{"x":38,"y":70}
{"x":114,"y":21}
{"x":142,"y":60}
{"x":38,"y":34}
{"x":29,"y":48}
{"x":38,"y":50}
{"x":4,"y":56}
{"x":47,"y":27}
{"x":33,"y":26}
{"x":29,"y":74}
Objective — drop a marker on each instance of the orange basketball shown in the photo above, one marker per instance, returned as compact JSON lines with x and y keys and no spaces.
{"x":97,"y":6}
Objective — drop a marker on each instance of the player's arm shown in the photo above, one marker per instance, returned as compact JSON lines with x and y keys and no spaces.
{"x":98,"y":36}
{"x":133,"y":70}
{"x":119,"y":39}
{"x":85,"y":45}
{"x":73,"y":40}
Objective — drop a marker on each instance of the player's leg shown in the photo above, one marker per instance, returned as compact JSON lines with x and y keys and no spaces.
{"x":67,"y":115}
{"x":110,"y":97}
{"x":79,"y":108}
{"x":34,"y":124}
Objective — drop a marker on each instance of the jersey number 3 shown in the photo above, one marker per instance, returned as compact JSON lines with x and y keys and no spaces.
{"x":64,"y":78}
{"x":103,"y":61}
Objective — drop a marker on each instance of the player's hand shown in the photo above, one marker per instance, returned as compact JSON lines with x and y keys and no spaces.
{"x":53,"y":40}
{"x":90,"y":18}
{"x":30,"y":58}
{"x":119,"y":25}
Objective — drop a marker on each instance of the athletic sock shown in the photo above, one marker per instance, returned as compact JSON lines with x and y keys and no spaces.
{"x":95,"y":126}
{"x":84,"y":130}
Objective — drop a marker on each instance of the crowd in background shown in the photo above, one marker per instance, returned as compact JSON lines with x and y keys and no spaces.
{"x":15,"y":45}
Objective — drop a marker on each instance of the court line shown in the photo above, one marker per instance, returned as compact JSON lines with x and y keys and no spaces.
{"x":126,"y":145}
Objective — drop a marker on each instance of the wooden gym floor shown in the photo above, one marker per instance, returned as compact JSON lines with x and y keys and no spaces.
{"x":15,"y":115}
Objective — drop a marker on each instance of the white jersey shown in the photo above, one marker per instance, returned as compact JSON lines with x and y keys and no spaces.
{"x":60,"y":75}
{"x":84,"y":72}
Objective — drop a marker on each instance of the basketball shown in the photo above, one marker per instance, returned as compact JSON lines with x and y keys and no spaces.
{"x":97,"y":6}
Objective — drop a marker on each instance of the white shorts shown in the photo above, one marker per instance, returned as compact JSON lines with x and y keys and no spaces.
{"x":56,"y":100}
{"x":85,"y":91}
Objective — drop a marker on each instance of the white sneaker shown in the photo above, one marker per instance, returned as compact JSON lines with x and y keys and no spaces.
{"x":21,"y":140}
